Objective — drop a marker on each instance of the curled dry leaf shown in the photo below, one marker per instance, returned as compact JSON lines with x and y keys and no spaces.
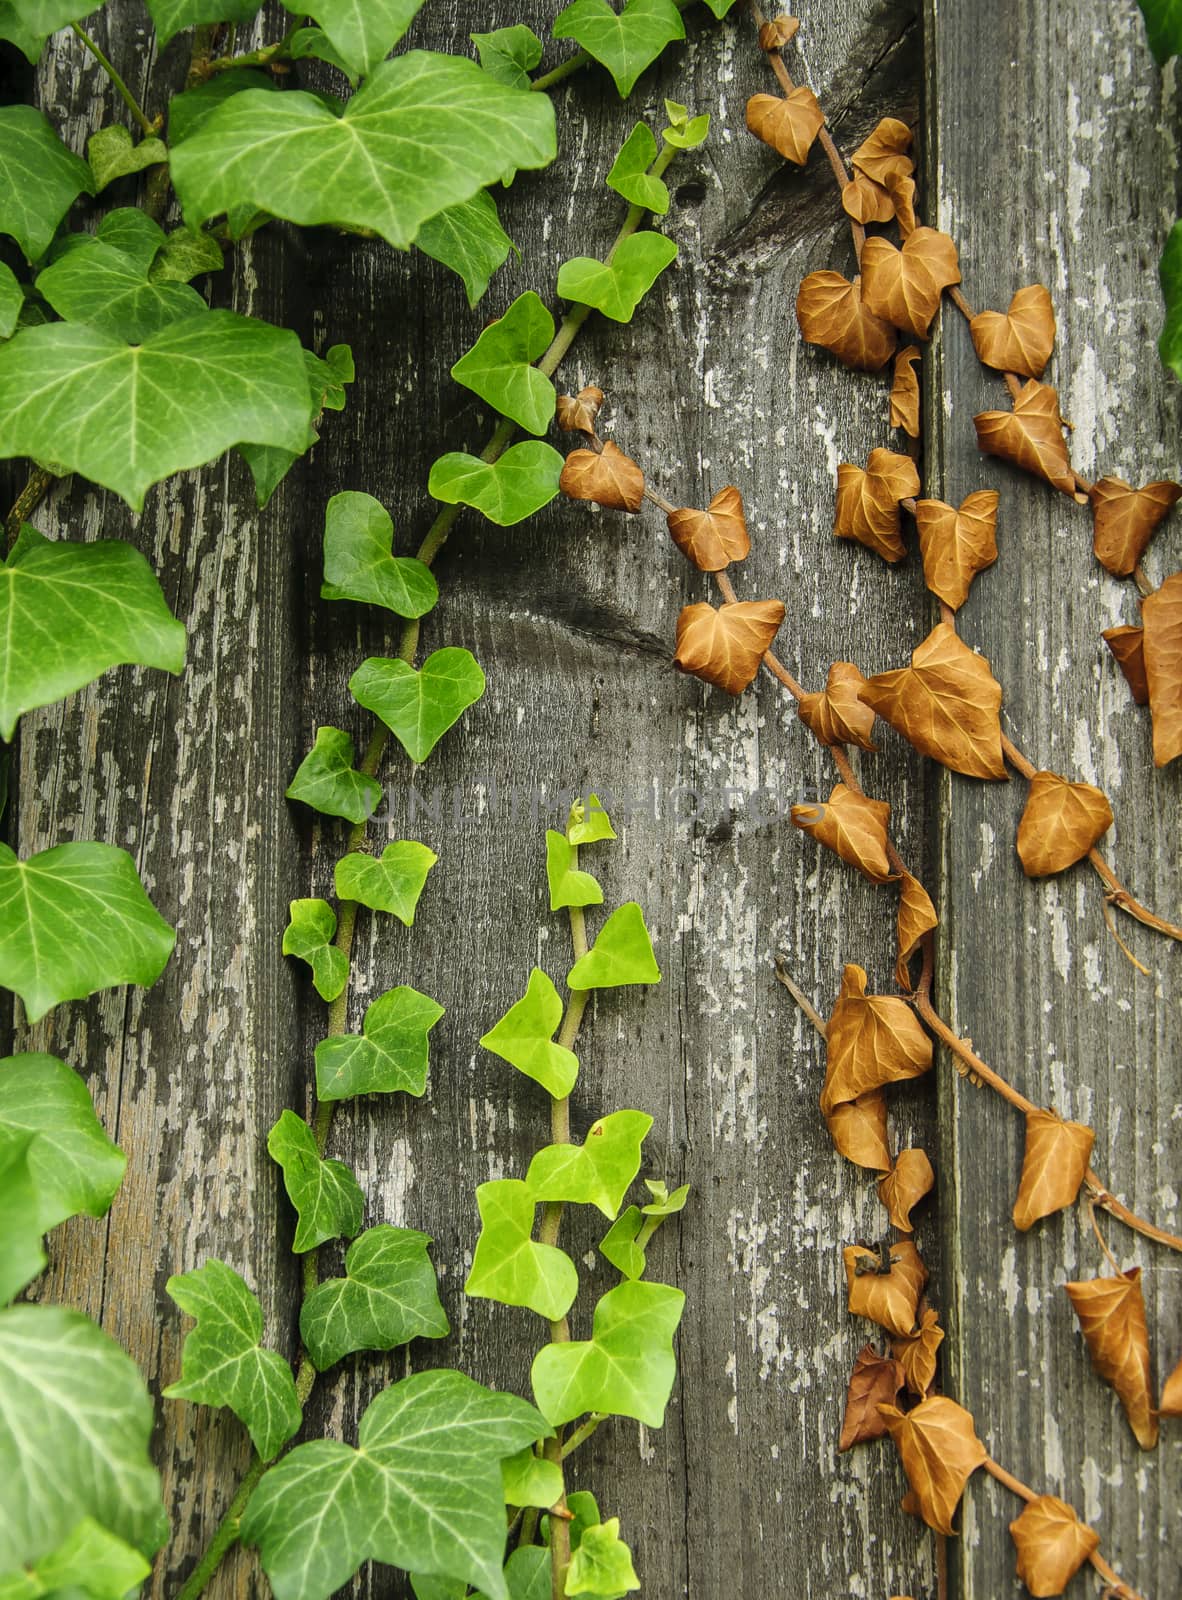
{"x":888,"y":1298}
{"x":835,"y":714}
{"x":940,"y":1451}
{"x":853,"y":826}
{"x":875,"y":1381}
{"x":1171,"y":1395}
{"x":901,"y":188}
{"x":713,"y":538}
{"x":1052,"y":1544}
{"x":1020,"y":339}
{"x":906,"y":1186}
{"x":1161,"y":617}
{"x":903,"y":286}
{"x":917,"y":916}
{"x":909,"y":1502}
{"x":868,"y":501}
{"x":831,"y":313}
{"x":725,"y":646}
{"x":789,"y":123}
{"x":870,"y":1040}
{"x":866,"y":201}
{"x":1061,"y":821}
{"x":1053,"y":1167}
{"x":858,"y":1129}
{"x":916,"y":1353}
{"x":957,"y":542}
{"x":577,"y":412}
{"x":1128,"y":647}
{"x":1030,"y":436}
{"x":1123,"y":520}
{"x":609,"y":478}
{"x":1111,"y":1314}
{"x":904,"y":401}
{"x":946,"y":703}
{"x":885,"y":151}
{"x":774,"y":35}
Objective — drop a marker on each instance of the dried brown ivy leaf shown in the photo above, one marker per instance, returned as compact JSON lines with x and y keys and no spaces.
{"x":946,"y":703}
{"x":1128,"y":647}
{"x":901,"y":188}
{"x":875,"y":1380}
{"x":917,"y":916}
{"x":1111,"y":1314}
{"x":957,"y":542}
{"x":1030,"y":436}
{"x":610,"y":478}
{"x":916,"y":1353}
{"x":789,"y":123}
{"x":853,"y":826}
{"x":725,"y":646}
{"x":1123,"y":520}
{"x":940,"y":1451}
{"x":858,"y":1129}
{"x":713,"y":538}
{"x":870,"y":1040}
{"x":1053,"y":1167}
{"x":577,"y":412}
{"x":866,"y":201}
{"x":904,"y":286}
{"x":1052,"y":1545}
{"x":905,"y":1187}
{"x":1161,"y":617}
{"x":1171,"y":1395}
{"x":904,"y":400}
{"x":778,"y":32}
{"x":868,"y":499}
{"x":909,"y":1502}
{"x":1061,"y":821}
{"x":835,"y":714}
{"x":1020,"y":339}
{"x":885,"y":151}
{"x":888,"y":1298}
{"x":831,"y":313}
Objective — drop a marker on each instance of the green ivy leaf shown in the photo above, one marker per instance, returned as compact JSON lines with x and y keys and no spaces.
{"x":171,"y":16}
{"x":46,"y":1108}
{"x":598,"y":1172}
{"x":126,"y":229}
{"x":531,"y":1480}
{"x":223,"y":1363}
{"x":602,"y":1565}
{"x":28,"y":23}
{"x":617,"y":287}
{"x":622,"y":953}
{"x":69,"y":612}
{"x":39,"y":179}
{"x":21,"y":1255}
{"x":499,"y":367}
{"x":112,"y":155}
{"x":387,"y":1297}
{"x":189,"y":112}
{"x":12,"y":298}
{"x":378,"y":1503}
{"x":308,"y":936}
{"x":626,"y":42}
{"x":1163,"y":25}
{"x":508,"y":490}
{"x":72,"y":1398}
{"x":509,"y":1267}
{"x":568,"y":886}
{"x":126,"y":416}
{"x":630,"y":177}
{"x":327,"y":780}
{"x":664,"y":1204}
{"x":419,"y":707}
{"x":424,"y":133}
{"x":390,"y":1054}
{"x":101,"y":287}
{"x":1170,"y":342}
{"x":393,"y":883}
{"x":588,"y":822}
{"x":627,"y":1367}
{"x":327,"y":1197}
{"x":524,"y":1038}
{"x":326,"y":392}
{"x":314,"y":44}
{"x":720,"y":7}
{"x":92,"y":1563}
{"x":362,"y":32}
{"x":359,"y":563}
{"x":684,"y":132}
{"x":509,"y":54}
{"x":73,"y":920}
{"x":186,"y":254}
{"x":468,"y":239}
{"x":619,"y":1244}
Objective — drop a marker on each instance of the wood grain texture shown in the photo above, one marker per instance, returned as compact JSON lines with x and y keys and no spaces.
{"x":1054,"y":161}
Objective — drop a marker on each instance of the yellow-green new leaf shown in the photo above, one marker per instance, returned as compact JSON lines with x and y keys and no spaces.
{"x":568,"y":885}
{"x":327,"y":780}
{"x":359,"y":563}
{"x":514,"y":486}
{"x":617,"y":287}
{"x":524,"y":1038}
{"x":309,"y":937}
{"x":393,"y":883}
{"x":419,"y":707}
{"x":622,"y":953}
{"x":627,"y":1367}
{"x":598,"y":1172}
{"x":499,"y":366}
{"x":508,"y":1266}
{"x":389,"y":1056}
{"x":327,"y":1197}
{"x":602,"y":1564}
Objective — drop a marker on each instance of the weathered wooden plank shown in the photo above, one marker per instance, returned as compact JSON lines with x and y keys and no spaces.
{"x":1053,"y":143}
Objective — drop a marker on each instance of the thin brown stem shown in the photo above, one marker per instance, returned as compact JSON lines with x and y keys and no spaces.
{"x":1025,"y":1492}
{"x":806,"y":1005}
{"x":1100,"y":1239}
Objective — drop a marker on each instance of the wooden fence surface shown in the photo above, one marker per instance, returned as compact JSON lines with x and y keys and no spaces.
{"x":1049,"y":154}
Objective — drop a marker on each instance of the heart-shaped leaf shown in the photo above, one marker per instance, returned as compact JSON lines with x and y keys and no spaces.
{"x":904,"y":396}
{"x":917,"y":1353}
{"x":46,"y":1109}
{"x":309,"y":936}
{"x":112,"y":155}
{"x":602,"y":1564}
{"x":1021,"y":339}
{"x":617,"y":286}
{"x":940,"y":1451}
{"x":629,"y":175}
{"x":1052,"y":1544}
{"x":1111,"y":1315}
{"x":627,"y":1367}
{"x":468,"y":239}
{"x":508,"y":1266}
{"x":515,"y":486}
{"x":875,"y":1380}
{"x":853,"y":826}
{"x":327,"y":780}
{"x":870,"y":1040}
{"x":625,"y":42}
{"x":917,"y":916}
{"x":608,"y":477}
{"x":392,"y":883}
{"x":619,"y":1244}
{"x":419,"y":707}
{"x":530,"y":1480}
{"x":1053,"y":1167}
{"x":832,"y":313}
{"x":1128,"y":648}
{"x":884,"y":154}
{"x":327,"y":1197}
{"x":1124,"y":519}
{"x":577,"y":413}
{"x":789,"y":123}
{"x":98,"y":285}
{"x":866,"y":201}
{"x":588,"y":822}
{"x":903,"y":286}
{"x":499,"y":366}
{"x":387,"y":1297}
{"x":889,"y":1298}
{"x":725,"y":646}
{"x":568,"y":886}
{"x":868,"y":501}
{"x":1030,"y":436}
{"x":836,"y":714}
{"x":91,"y":1562}
{"x":957,"y":543}
{"x":509,"y":54}
{"x":359,"y":563}
{"x":1060,"y":823}
{"x":1161,"y":616}
{"x":598,"y":1172}
{"x":622,"y":953}
{"x":858,"y":1129}
{"x":909,"y":1180}
{"x":362,"y":32}
{"x":390,"y":1054}
{"x":39,"y":179}
{"x":524,"y":1038}
{"x":713,"y":538}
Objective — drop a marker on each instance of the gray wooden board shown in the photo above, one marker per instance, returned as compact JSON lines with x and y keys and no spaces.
{"x":572,"y":616}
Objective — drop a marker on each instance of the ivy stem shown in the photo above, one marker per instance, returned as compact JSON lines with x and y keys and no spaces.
{"x":225,"y":1537}
{"x":125,"y":94}
{"x":253,"y":58}
{"x":1119,"y":1589}
{"x":36,"y":488}
{"x":583,"y":1432}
